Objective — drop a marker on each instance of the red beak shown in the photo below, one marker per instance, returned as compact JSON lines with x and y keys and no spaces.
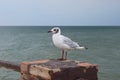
{"x":49,"y":31}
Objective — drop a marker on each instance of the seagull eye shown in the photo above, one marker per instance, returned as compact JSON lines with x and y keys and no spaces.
{"x":54,"y":29}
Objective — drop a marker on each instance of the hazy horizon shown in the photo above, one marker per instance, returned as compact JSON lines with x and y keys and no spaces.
{"x":62,"y":12}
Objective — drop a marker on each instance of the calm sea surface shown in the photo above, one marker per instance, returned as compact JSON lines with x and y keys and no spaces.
{"x":33,"y":43}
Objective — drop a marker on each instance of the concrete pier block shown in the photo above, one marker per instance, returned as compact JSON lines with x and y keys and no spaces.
{"x":58,"y":70}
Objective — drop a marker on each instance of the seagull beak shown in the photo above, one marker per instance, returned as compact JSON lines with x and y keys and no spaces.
{"x":49,"y":31}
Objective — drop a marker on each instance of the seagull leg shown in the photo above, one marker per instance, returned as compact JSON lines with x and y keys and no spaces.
{"x":62,"y":58}
{"x":66,"y":55}
{"x":62,"y":55}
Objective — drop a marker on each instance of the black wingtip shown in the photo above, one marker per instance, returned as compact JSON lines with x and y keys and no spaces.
{"x":86,"y":48}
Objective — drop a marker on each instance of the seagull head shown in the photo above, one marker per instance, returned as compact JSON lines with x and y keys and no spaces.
{"x":55,"y":30}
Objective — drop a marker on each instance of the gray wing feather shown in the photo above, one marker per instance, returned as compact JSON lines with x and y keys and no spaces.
{"x":69,"y":42}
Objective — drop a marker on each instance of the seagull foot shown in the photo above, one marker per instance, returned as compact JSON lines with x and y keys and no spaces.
{"x":61,"y":59}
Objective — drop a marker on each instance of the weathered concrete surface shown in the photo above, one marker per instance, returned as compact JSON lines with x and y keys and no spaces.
{"x":58,"y":70}
{"x":10,"y":65}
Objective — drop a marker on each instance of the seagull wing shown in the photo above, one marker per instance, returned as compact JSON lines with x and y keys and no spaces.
{"x":69,"y":42}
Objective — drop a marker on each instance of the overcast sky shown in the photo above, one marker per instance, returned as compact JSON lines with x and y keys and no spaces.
{"x":59,"y":12}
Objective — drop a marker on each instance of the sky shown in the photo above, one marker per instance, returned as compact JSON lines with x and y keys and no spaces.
{"x":60,"y":12}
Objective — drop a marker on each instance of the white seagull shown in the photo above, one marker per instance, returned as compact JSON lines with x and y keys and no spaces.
{"x":64,"y":43}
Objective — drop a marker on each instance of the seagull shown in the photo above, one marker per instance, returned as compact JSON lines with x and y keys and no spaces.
{"x":64,"y":43}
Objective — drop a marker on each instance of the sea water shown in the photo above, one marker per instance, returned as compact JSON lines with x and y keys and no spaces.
{"x":18,"y":44}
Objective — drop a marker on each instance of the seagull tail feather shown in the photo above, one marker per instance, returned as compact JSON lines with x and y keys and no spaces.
{"x":81,"y":48}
